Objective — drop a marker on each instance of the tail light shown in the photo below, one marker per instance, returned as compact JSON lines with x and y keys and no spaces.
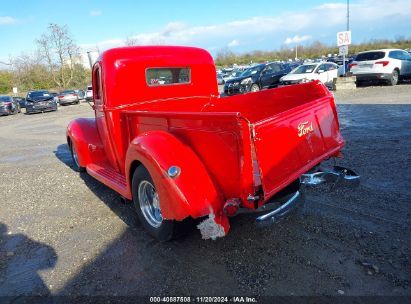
{"x":75,"y":95}
{"x":384,"y":63}
{"x":351,"y":65}
{"x":61,"y":97}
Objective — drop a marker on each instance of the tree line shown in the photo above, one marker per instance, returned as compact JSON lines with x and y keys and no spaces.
{"x":317,"y":49}
{"x":55,"y":65}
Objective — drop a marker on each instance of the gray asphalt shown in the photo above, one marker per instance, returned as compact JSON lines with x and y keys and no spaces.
{"x":62,"y":233}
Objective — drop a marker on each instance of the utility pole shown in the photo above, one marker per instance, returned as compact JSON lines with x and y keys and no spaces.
{"x":348,"y":15}
{"x":296,"y":50}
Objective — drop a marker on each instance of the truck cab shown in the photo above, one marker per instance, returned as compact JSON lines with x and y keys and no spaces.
{"x":163,"y":138}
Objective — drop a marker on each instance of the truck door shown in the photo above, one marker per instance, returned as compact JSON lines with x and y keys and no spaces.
{"x":101,"y":119}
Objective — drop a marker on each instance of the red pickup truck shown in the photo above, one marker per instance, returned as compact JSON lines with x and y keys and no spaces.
{"x":164,"y":138}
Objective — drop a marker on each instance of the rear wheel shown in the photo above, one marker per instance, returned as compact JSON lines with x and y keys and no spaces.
{"x":394,"y":78}
{"x":74,"y":156}
{"x":147,"y":205}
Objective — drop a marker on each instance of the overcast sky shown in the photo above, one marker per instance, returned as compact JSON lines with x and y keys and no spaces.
{"x":241,"y":25}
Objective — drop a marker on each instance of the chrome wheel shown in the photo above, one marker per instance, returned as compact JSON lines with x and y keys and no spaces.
{"x":75,"y":157}
{"x":149,"y":204}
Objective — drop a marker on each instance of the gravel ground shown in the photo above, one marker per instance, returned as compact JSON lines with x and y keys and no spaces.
{"x":62,"y":233}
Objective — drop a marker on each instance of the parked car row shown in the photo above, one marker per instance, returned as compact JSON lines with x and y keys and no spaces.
{"x":42,"y":101}
{"x":386,"y":65}
{"x":255,"y":78}
{"x":8,"y":105}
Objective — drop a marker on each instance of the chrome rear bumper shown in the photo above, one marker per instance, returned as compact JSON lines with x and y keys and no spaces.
{"x":278,"y":213}
{"x":337,"y":175}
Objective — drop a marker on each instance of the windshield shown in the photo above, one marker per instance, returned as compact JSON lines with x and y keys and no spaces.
{"x":5,"y":98}
{"x":252,"y":71}
{"x":38,"y":94}
{"x":67,"y":92}
{"x":304,"y":69}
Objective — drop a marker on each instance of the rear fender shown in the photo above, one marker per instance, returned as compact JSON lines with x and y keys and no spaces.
{"x":192,"y":192}
{"x":83,"y":134}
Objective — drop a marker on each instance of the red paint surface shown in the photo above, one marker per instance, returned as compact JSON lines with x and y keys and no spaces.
{"x":208,"y":137}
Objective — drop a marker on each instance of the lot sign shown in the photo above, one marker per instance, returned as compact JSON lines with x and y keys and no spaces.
{"x":343,"y":50}
{"x":343,"y":38}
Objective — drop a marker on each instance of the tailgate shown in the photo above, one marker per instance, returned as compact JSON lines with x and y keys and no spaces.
{"x":290,"y":143}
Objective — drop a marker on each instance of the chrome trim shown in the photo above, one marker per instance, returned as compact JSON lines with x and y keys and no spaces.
{"x":253,"y":198}
{"x":282,"y":210}
{"x":338,"y":175}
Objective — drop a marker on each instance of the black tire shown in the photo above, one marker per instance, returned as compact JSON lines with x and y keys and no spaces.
{"x":254,"y":88}
{"x":162,"y":230}
{"x":394,"y":78}
{"x":76,"y":165}
{"x":359,"y":83}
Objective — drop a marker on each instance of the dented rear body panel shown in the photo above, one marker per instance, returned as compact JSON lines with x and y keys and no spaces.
{"x":236,"y":151}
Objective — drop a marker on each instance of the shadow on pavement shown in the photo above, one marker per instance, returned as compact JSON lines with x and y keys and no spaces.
{"x":21,"y":259}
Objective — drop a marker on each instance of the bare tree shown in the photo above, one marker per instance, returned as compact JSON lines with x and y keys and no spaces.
{"x":59,"y":53}
{"x":132,"y":40}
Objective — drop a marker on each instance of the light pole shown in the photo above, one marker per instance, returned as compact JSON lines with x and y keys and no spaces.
{"x":348,"y":15}
{"x":89,"y":59}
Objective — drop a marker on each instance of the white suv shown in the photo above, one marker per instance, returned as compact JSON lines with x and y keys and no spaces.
{"x":388,"y":65}
{"x":89,"y":93}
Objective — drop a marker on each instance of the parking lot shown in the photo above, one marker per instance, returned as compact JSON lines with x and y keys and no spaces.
{"x":66,"y":234}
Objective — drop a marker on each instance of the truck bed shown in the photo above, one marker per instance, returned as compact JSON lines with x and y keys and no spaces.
{"x":224,"y":132}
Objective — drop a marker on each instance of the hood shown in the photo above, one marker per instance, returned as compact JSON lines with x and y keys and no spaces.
{"x":237,"y":79}
{"x":289,"y":77}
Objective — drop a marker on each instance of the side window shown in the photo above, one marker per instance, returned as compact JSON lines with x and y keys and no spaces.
{"x":276,"y":68}
{"x":395,"y":55}
{"x":322,"y":68}
{"x":331,"y":67}
{"x":167,"y":76}
{"x":96,"y":84}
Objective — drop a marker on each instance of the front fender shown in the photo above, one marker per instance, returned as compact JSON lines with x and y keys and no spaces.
{"x":83,"y":134}
{"x":192,"y":193}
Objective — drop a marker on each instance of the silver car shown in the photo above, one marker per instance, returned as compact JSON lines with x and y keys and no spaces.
{"x":68,"y":97}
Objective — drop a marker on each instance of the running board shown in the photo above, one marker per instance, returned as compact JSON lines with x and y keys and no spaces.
{"x":110,"y":177}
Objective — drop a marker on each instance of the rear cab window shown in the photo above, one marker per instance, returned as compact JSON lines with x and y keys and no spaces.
{"x":370,"y":56}
{"x":168,"y":76}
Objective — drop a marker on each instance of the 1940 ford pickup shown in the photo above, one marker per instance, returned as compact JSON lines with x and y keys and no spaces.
{"x":164,"y":138}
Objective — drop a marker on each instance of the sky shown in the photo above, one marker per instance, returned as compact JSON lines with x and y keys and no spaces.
{"x":240,"y":25}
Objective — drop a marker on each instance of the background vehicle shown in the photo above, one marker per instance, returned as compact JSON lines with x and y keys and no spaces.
{"x":220,"y":79}
{"x":266,"y":75}
{"x":81,"y":95}
{"x":68,"y":97}
{"x":89,"y":93}
{"x":323,"y":71}
{"x":8,"y":105}
{"x":386,"y":65}
{"x":21,"y":101}
{"x":178,"y":150}
{"x":40,"y":101}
